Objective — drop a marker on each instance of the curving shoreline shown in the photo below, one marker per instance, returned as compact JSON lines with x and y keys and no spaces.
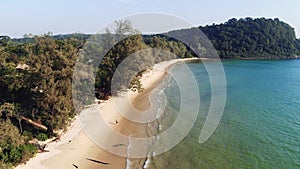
{"x":75,"y":147}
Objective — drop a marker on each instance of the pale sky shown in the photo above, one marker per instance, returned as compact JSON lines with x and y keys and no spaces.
{"x":19,"y":17}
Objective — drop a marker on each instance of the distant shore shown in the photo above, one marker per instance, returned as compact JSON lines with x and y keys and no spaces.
{"x":76,"y":149}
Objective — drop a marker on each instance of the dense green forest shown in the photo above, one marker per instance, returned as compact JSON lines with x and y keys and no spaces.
{"x":36,"y":82}
{"x":253,"y":39}
{"x":248,"y":38}
{"x":36,"y":71}
{"x":35,"y":92}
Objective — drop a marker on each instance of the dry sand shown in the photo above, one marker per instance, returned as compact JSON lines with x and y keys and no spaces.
{"x":76,"y":147}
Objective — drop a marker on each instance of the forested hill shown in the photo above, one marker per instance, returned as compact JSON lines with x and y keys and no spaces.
{"x":244,"y":38}
{"x":253,"y":39}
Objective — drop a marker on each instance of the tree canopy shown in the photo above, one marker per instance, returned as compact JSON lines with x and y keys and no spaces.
{"x":36,"y":71}
{"x":249,"y":38}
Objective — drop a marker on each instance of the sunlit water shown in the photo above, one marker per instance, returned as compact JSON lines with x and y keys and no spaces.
{"x":260,"y":127}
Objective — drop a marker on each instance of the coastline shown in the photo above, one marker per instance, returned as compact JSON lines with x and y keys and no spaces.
{"x":75,"y":147}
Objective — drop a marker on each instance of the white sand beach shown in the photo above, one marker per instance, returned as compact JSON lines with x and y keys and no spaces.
{"x":75,"y":149}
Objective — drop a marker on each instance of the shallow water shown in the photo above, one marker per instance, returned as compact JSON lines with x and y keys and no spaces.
{"x":260,"y":127}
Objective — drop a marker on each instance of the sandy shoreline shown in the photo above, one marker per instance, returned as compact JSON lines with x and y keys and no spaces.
{"x":77,"y":149}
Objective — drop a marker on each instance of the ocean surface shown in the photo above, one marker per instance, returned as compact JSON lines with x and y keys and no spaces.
{"x":260,"y":126}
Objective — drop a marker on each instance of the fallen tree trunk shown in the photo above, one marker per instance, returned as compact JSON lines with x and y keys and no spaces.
{"x":35,"y":124}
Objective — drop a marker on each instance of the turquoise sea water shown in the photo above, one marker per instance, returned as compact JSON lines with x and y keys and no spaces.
{"x":260,"y":127}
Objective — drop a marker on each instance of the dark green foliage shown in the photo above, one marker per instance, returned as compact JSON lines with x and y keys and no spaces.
{"x":11,"y":154}
{"x":131,"y":44}
{"x":253,"y":39}
{"x":42,"y":136}
{"x":27,"y":151}
{"x":111,"y":61}
{"x":5,"y":40}
{"x":37,"y":94}
{"x":77,"y":36}
{"x":13,"y":150}
{"x":51,"y":63}
{"x":166,"y":43}
{"x":297,"y":45}
{"x":30,"y":38}
{"x":27,"y":135}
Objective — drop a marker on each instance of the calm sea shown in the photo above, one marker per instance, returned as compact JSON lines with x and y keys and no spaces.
{"x":260,"y":127}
